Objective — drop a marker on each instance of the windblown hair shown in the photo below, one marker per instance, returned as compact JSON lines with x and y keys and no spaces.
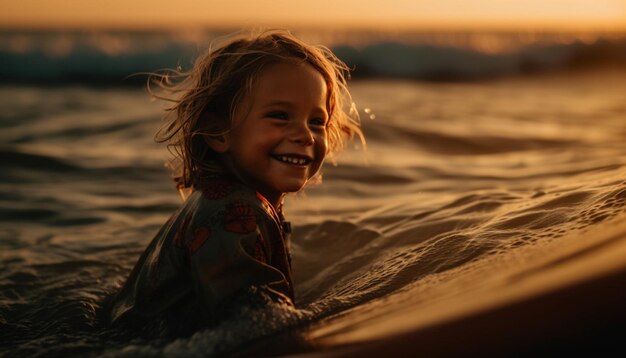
{"x":206,"y":98}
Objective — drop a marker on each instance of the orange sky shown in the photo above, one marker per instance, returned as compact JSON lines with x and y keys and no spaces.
{"x":546,"y":14}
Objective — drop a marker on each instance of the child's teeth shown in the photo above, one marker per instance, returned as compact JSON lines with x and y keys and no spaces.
{"x":299,"y":161}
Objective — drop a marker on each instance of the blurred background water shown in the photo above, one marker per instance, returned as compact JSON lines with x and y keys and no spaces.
{"x":111,"y":57}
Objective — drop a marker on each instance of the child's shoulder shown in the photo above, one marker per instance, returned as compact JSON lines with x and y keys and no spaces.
{"x":229,"y":198}
{"x":225,"y":210}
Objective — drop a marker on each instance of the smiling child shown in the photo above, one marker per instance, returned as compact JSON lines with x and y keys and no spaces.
{"x":252,"y":121}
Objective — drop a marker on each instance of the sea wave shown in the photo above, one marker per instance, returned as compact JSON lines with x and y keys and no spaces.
{"x":13,"y":159}
{"x":117,"y":58}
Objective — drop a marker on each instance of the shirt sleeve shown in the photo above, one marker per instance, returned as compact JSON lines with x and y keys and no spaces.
{"x":229,"y":251}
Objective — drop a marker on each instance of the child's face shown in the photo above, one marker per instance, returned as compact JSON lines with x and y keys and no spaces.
{"x":278,"y":141}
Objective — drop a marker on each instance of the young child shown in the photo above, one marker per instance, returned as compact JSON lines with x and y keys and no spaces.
{"x":253,"y":120}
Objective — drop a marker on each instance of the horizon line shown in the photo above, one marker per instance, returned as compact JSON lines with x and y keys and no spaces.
{"x":400,"y":27}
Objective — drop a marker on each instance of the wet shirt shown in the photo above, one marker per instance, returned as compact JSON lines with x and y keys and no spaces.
{"x":224,"y":240}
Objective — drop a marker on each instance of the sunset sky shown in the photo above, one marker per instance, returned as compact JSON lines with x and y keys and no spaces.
{"x":547,"y":14}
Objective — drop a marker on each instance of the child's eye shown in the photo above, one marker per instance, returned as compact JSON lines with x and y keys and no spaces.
{"x":318,"y":121}
{"x":278,"y":115}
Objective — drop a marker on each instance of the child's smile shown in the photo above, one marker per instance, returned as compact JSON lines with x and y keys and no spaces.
{"x":293,"y":159}
{"x":278,"y":141}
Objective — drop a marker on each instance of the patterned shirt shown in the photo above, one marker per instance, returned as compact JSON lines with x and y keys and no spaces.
{"x":224,"y":240}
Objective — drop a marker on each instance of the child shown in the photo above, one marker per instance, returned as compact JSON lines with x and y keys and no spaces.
{"x":253,"y":120}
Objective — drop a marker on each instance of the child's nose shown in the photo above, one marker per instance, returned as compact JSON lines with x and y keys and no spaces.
{"x":301,"y":133}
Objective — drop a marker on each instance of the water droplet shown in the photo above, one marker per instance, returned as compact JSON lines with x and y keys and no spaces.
{"x":367,"y":110}
{"x":372,"y":116}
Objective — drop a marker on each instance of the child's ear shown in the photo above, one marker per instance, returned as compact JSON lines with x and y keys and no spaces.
{"x":219,"y":143}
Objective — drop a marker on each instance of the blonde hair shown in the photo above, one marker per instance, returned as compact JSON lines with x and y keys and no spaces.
{"x":206,"y":98}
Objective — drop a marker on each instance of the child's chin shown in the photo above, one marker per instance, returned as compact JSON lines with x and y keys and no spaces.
{"x":294,"y":187}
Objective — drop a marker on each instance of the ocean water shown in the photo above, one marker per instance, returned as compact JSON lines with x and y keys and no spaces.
{"x":483,"y":217}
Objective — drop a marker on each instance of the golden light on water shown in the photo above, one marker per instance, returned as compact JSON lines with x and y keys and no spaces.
{"x":545,"y":14}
